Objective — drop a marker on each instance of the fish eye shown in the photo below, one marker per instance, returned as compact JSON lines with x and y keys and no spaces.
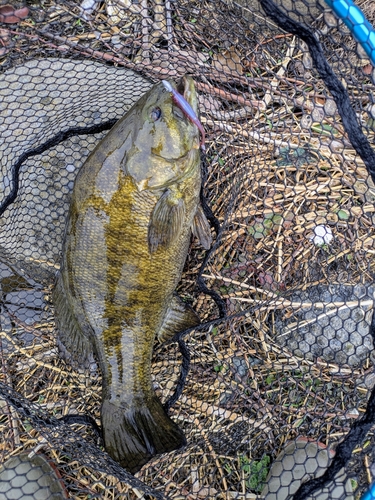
{"x":155,"y":114}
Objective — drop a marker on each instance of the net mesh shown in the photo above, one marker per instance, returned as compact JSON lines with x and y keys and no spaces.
{"x":275,"y":384}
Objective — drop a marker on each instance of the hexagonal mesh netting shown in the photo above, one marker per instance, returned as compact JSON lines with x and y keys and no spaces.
{"x":273,"y":389}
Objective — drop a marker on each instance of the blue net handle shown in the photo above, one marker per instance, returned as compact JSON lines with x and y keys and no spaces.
{"x":370,"y":494}
{"x":356,"y":21}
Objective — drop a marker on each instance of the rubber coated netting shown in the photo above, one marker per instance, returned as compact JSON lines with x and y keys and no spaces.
{"x":274,"y":388}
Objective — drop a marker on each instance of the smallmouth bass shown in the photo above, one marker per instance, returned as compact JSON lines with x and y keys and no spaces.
{"x":134,"y":205}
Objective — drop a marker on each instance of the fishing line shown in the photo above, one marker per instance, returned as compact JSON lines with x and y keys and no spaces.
{"x":185,"y":353}
{"x":202,"y":287}
{"x":206,"y":207}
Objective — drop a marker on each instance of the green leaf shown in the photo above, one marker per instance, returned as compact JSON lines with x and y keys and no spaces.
{"x":268,"y":223}
{"x":299,"y":422}
{"x":324,"y":129}
{"x":228,"y":468}
{"x":343,"y":214}
{"x":27,"y":426}
{"x":277,"y":219}
{"x":258,"y":236}
{"x":354,"y":484}
{"x":258,"y":474}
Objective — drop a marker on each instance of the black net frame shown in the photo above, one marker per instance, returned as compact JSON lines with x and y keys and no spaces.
{"x":282,"y":160}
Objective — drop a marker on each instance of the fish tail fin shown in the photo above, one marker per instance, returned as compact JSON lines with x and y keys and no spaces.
{"x":132,"y":436}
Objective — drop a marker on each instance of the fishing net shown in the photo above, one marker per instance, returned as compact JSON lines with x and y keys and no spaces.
{"x":274,"y":389}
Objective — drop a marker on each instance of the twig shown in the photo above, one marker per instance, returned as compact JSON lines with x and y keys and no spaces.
{"x":223,"y":94}
{"x":168,"y":19}
{"x":25,"y":352}
{"x":281,"y":72}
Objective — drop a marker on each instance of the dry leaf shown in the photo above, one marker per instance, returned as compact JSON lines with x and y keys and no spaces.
{"x":10,"y":15}
{"x":367,"y":70}
{"x":227,"y":60}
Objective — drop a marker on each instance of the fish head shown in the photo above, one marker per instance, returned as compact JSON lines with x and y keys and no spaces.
{"x":165,"y":143}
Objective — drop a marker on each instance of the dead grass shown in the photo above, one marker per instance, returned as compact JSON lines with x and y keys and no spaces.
{"x":278,"y":165}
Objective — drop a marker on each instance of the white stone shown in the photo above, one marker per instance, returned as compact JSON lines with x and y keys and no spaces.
{"x":323,"y":235}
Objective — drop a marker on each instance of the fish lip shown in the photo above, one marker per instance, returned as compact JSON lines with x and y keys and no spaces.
{"x":174,"y":159}
{"x":178,"y":175}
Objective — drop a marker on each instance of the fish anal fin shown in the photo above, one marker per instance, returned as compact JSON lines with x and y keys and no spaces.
{"x":166,"y":220}
{"x":73,"y":344}
{"x":179,"y":317}
{"x":132,"y":436}
{"x":201,"y":228}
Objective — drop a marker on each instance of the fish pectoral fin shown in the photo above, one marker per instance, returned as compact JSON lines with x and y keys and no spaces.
{"x":179,"y":317}
{"x":166,"y":220}
{"x":201,"y":228}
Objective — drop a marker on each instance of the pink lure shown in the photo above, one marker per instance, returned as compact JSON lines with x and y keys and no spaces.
{"x":185,"y":107}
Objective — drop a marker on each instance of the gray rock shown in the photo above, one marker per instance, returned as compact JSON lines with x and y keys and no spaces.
{"x":299,"y":461}
{"x":367,"y":381}
{"x":29,"y":307}
{"x":38,"y":100}
{"x":31,"y":478}
{"x":22,"y":302}
{"x":301,"y":10}
{"x":333,"y":323}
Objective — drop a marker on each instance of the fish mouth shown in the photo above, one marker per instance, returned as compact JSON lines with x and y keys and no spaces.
{"x":186,"y":88}
{"x":172,"y":159}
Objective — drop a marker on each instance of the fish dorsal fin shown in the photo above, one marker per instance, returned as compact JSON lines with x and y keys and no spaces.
{"x":166,"y":220}
{"x":201,"y":228}
{"x":179,"y":317}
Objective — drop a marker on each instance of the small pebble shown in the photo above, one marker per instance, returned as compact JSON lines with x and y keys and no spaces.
{"x":323,"y":235}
